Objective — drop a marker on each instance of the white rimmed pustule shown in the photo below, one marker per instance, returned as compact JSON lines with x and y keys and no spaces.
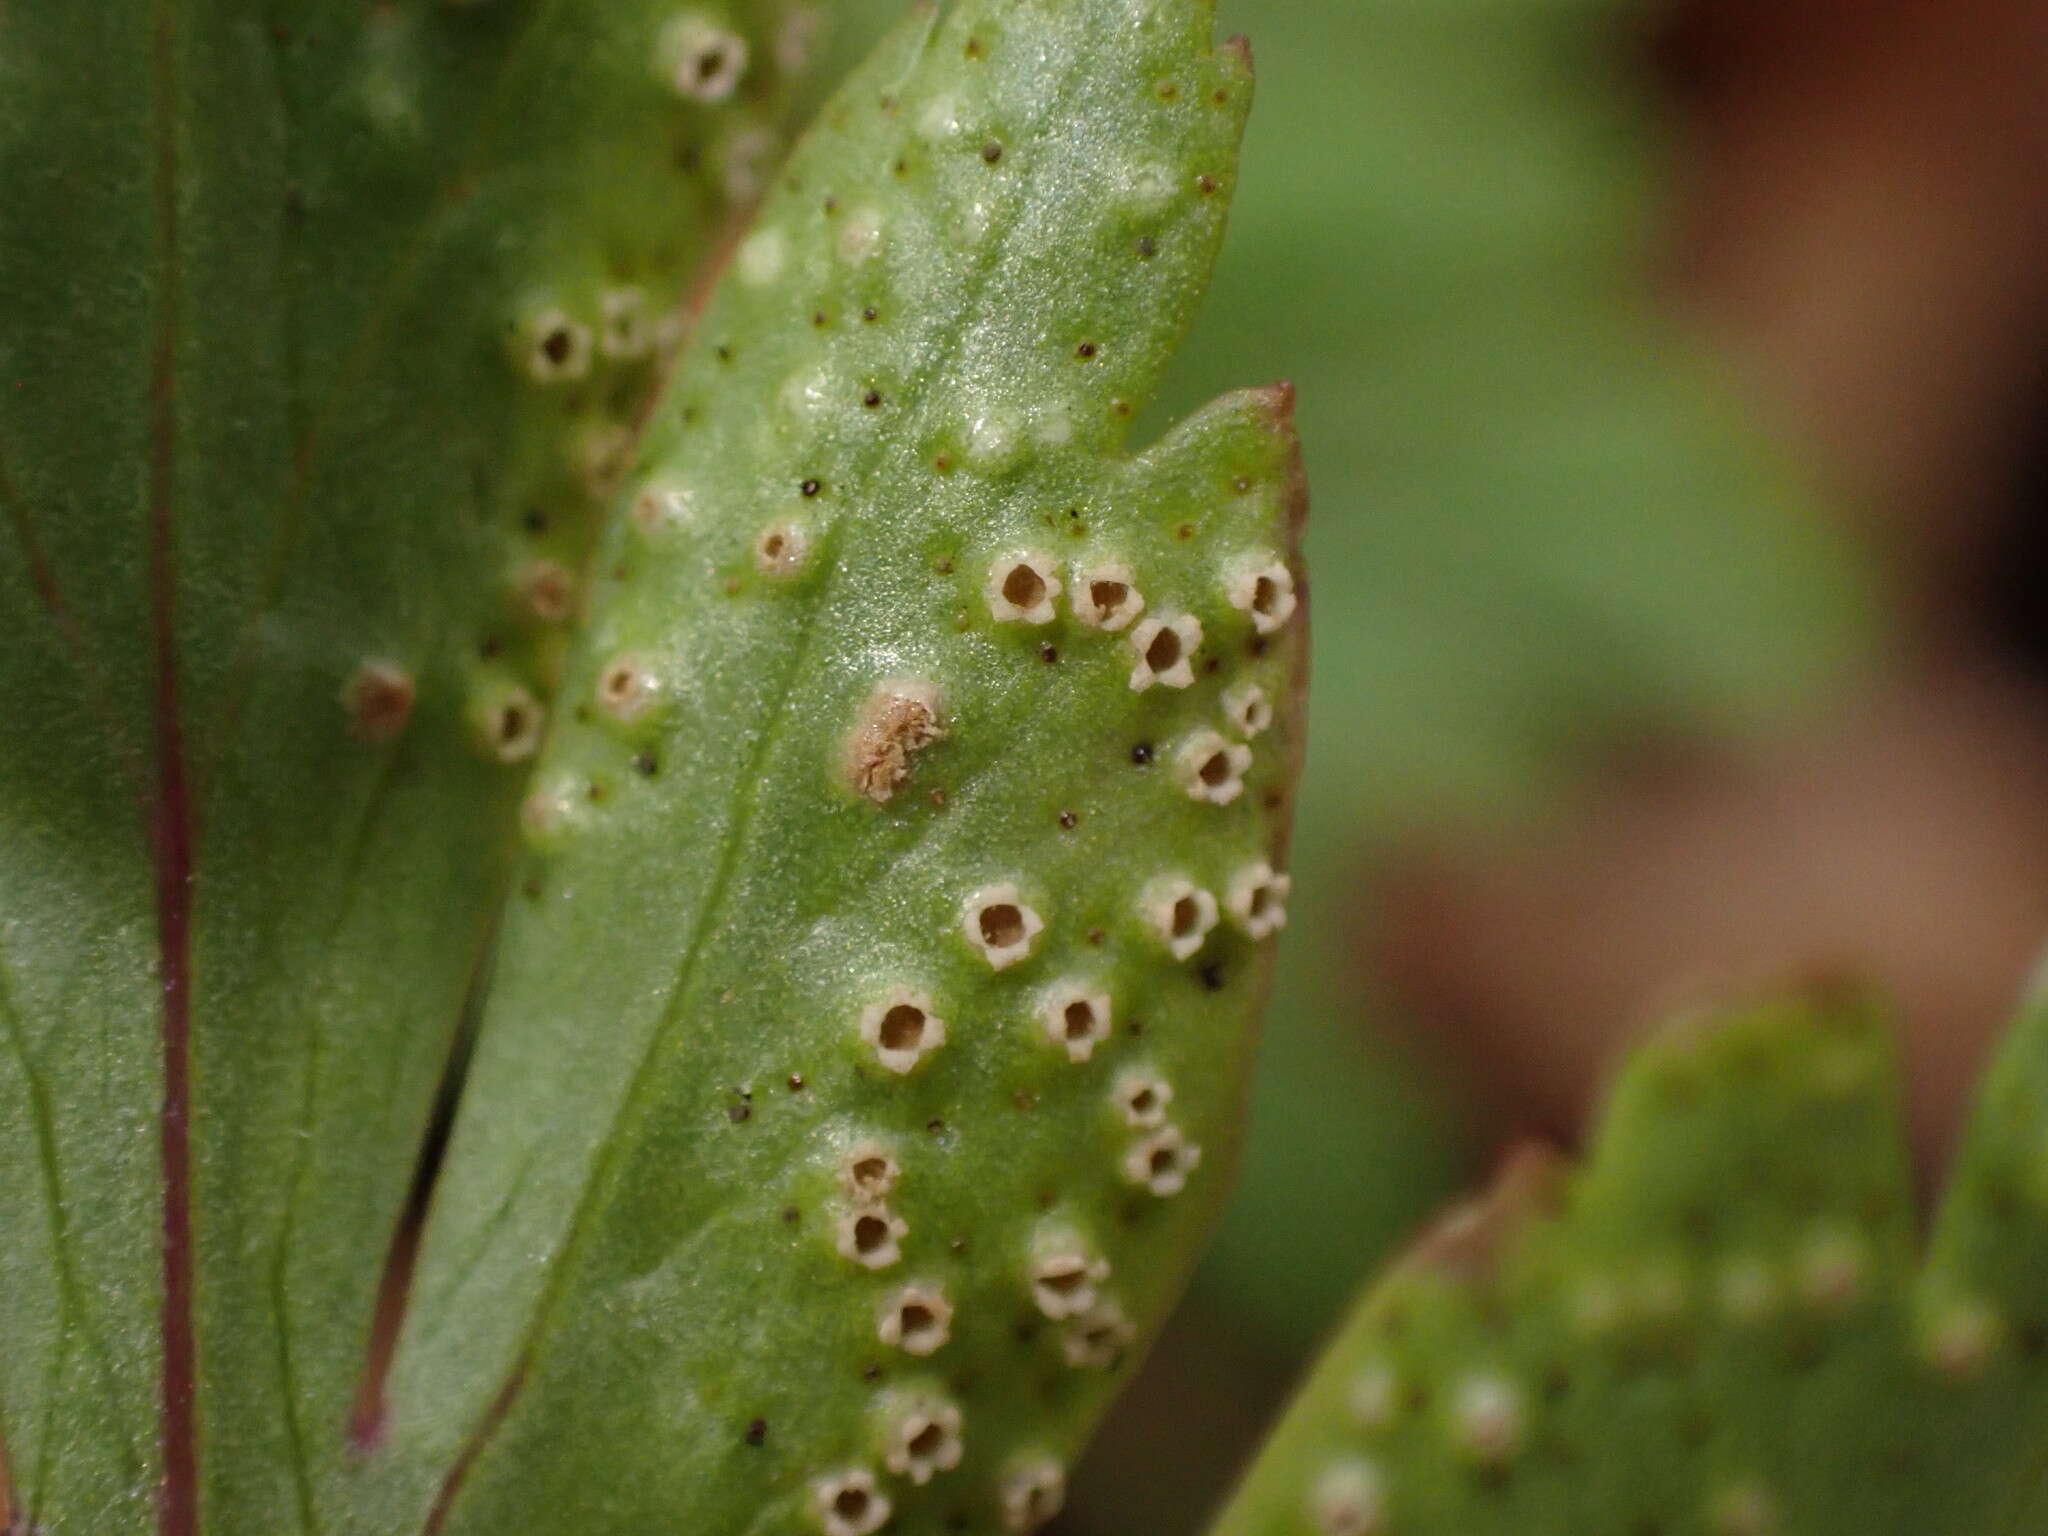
{"x":1212,"y":769}
{"x":868,"y":1172}
{"x":900,"y":717}
{"x":1141,"y":1098}
{"x":1031,"y":1493}
{"x":661,"y":507}
{"x":1106,"y":596}
{"x":601,"y":454}
{"x":848,"y":1503}
{"x":796,"y":40}
{"x":1263,"y":589}
{"x":554,"y":809}
{"x":1257,"y":898}
{"x":1097,"y":1339}
{"x":624,"y":332}
{"x":1375,"y":1396}
{"x":903,"y":1027}
{"x":378,"y":699}
{"x":871,"y":1236}
{"x":702,"y":60}
{"x":508,"y":722}
{"x":921,"y":1435}
{"x":1165,"y":648}
{"x":628,"y":687}
{"x":1022,"y":587}
{"x":1065,"y":1277}
{"x":1179,"y":912}
{"x":1075,"y":1016}
{"x":1486,"y":1418}
{"x":553,"y":348}
{"x":999,"y":924}
{"x":917,"y":1319}
{"x":1349,"y":1499}
{"x":1959,"y":1340}
{"x":782,"y":549}
{"x":544,"y":590}
{"x":1162,"y":1161}
{"x":1248,"y":710}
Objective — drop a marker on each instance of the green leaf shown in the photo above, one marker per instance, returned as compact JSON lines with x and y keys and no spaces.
{"x":326,"y":323}
{"x":1718,"y":1325}
{"x":867,"y":743}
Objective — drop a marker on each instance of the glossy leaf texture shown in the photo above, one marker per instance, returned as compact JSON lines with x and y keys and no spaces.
{"x":869,"y":1034}
{"x":1723,"y":1323}
{"x":328,"y":325}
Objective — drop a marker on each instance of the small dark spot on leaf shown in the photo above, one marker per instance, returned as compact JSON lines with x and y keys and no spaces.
{"x":831,"y":206}
{"x":871,"y":399}
{"x":796,"y":1082}
{"x":958,"y":1245}
{"x":870,"y":1373}
{"x":1205,"y":184}
{"x":490,"y":647}
{"x":724,"y":354}
{"x":938,"y":797}
{"x":1141,"y":754}
{"x":644,"y":764}
{"x":1167,"y":90}
{"x":809,"y":487}
{"x":1185,"y":531}
{"x":1257,"y":646}
{"x":1025,"y":1099}
{"x":791,"y":1215}
{"x":973,"y":49}
{"x":870,"y":314}
{"x":1068,"y":820}
{"x":991,"y":152}
{"x":821,"y":319}
{"x":1212,"y":976}
{"x":1048,"y":655}
{"x":1097,"y":937}
{"x":757,"y":1432}
{"x":531,"y":887}
{"x":535,"y":521}
{"x":1048,"y":1198}
{"x":1085,"y":351}
{"x":738,"y":1113}
{"x":1146,"y":247}
{"x":935,"y":1126}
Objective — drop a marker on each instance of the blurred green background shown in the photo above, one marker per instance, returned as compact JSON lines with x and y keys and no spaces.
{"x":1541,"y":525}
